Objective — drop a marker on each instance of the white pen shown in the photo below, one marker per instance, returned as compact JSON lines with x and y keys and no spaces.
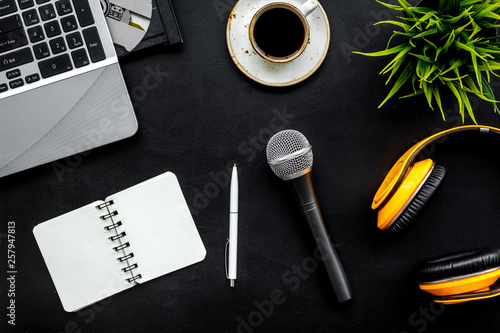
{"x":233,"y":228}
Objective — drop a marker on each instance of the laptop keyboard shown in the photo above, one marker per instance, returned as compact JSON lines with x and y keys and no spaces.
{"x":57,"y":36}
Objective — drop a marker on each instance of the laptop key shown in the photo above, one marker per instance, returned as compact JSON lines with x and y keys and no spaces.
{"x":12,"y":40}
{"x":7,"y":7}
{"x":32,"y":78}
{"x":52,"y":29}
{"x":57,"y":45}
{"x":74,"y":40}
{"x":69,"y":23}
{"x":80,"y":58}
{"x":15,"y":59}
{"x":36,"y":34}
{"x":31,"y":17}
{"x":16,"y":83}
{"x":13,"y":74}
{"x":3,"y":87}
{"x":23,"y":4}
{"x":47,"y":12}
{"x":94,"y":44}
{"x":10,"y":23}
{"x":64,"y":7}
{"x":41,"y":50}
{"x":83,"y":12}
{"x":56,"y":65}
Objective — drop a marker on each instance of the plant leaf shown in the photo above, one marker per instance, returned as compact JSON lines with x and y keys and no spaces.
{"x":437,"y":97}
{"x":388,"y":5}
{"x":426,"y":33}
{"x":466,"y":102}
{"x":395,"y":68}
{"x":400,"y":24}
{"x":418,"y":92}
{"x":405,"y":75}
{"x":455,"y":92}
{"x":449,"y":41}
{"x":397,"y":58}
{"x":488,"y":11}
{"x":385,"y":52}
{"x":427,"y":93}
{"x":489,"y":93}
{"x":467,"y":48}
{"x":476,"y":70}
{"x":406,"y":8}
{"x":477,"y":28}
{"x":422,"y":57}
{"x":455,"y":63}
{"x":433,"y":69}
{"x":450,"y":6}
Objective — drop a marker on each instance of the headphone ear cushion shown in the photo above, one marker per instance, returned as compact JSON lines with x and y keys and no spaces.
{"x":458,"y":264}
{"x":415,"y":206}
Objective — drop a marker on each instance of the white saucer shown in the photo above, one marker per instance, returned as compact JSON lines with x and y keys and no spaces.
{"x":264,"y":71}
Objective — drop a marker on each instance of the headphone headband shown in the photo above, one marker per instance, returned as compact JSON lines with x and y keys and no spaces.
{"x":399,"y":170}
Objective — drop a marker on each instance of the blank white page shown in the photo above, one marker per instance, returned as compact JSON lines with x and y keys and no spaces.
{"x":80,"y":257}
{"x":159,"y":227}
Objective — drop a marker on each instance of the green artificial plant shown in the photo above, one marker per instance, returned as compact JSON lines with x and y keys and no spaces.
{"x":450,"y":47}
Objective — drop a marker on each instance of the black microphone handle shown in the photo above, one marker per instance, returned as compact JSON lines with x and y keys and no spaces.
{"x":304,"y":193}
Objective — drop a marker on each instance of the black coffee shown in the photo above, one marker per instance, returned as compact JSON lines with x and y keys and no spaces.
{"x":279,"y":33}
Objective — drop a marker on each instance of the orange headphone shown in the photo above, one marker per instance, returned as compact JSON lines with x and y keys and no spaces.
{"x":453,"y":278}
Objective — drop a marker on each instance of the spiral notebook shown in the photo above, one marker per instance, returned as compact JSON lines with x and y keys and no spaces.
{"x":109,"y":246}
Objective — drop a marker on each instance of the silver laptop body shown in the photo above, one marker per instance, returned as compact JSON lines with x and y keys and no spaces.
{"x":61,"y":88}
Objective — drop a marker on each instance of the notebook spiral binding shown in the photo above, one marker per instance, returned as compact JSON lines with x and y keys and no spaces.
{"x":122,"y":246}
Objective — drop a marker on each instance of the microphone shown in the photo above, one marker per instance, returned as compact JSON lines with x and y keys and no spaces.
{"x":290,"y":156}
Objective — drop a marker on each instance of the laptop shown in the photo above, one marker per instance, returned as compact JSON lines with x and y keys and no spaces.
{"x":61,"y":88}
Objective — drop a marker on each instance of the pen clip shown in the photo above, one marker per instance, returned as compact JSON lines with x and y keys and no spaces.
{"x":225,"y":258}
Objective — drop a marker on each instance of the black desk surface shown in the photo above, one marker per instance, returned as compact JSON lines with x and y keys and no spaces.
{"x":203,"y":115}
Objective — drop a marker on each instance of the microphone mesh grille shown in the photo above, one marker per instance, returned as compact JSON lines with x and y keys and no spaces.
{"x":286,"y":143}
